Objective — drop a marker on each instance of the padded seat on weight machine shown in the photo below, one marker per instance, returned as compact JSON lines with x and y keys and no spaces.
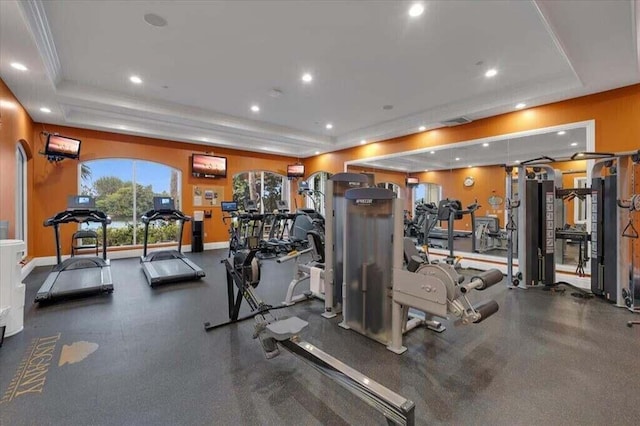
{"x":287,"y":328}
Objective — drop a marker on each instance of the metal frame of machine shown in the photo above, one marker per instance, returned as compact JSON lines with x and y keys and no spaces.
{"x":81,"y":209}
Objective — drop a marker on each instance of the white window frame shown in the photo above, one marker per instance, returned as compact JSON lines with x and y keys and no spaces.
{"x":428,"y":189}
{"x":21,"y":222}
{"x":286,"y":186}
{"x":322,"y":189}
{"x":580,"y":182}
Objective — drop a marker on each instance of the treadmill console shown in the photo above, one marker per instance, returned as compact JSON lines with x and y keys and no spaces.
{"x":81,"y":202}
{"x":229,"y":206}
{"x":250,"y":206}
{"x":163,"y":204}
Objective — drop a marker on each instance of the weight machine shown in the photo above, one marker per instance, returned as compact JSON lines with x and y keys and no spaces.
{"x":243,"y":272}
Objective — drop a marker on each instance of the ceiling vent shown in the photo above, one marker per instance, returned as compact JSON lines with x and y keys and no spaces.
{"x":456,"y":121}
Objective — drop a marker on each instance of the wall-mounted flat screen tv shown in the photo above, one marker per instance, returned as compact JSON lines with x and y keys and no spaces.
{"x":295,"y":170}
{"x":208,"y":166}
{"x":412,"y":181}
{"x":62,"y":146}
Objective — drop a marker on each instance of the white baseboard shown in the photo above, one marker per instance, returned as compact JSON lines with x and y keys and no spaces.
{"x":120,"y":254}
{"x":27,"y":268}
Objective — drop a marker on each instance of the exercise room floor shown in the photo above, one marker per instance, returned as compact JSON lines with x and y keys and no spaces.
{"x":542,"y":359}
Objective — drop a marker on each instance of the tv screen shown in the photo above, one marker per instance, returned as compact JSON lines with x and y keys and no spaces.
{"x":229,"y":206}
{"x":412,"y":181}
{"x":62,"y":146}
{"x":295,"y":170}
{"x":163,"y":204}
{"x":208,"y":166}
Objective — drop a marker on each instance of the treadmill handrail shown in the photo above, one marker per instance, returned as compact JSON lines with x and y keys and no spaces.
{"x":153,"y":215}
{"x":78,"y":216}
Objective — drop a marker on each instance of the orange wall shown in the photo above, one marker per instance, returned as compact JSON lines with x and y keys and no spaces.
{"x":388,"y":176}
{"x":488,"y":180}
{"x":616,"y":114}
{"x":15,"y":126}
{"x":53,"y":182}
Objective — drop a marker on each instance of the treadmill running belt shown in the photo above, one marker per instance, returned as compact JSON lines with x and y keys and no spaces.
{"x":78,"y":281}
{"x":172,"y":267}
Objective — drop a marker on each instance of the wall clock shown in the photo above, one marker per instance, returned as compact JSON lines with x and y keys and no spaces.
{"x":469,"y":181}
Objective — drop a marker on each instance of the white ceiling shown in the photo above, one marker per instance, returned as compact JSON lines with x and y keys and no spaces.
{"x":218,"y":58}
{"x":503,"y":151}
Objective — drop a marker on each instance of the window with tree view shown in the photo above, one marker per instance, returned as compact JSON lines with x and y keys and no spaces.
{"x":266,"y":188}
{"x":124,"y":189}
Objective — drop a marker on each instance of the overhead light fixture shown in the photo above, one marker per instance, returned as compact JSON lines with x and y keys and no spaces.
{"x":135,"y":79}
{"x":329,"y":126}
{"x":561,"y":132}
{"x":485,"y":144}
{"x":469,"y":166}
{"x":362,"y":142}
{"x":432,"y":152}
{"x":416,"y":10}
{"x":45,"y":110}
{"x":307,"y":78}
{"x":521,"y":105}
{"x":491,"y":73}
{"x":255,"y":108}
{"x":317,"y":152}
{"x":19,"y":66}
{"x":426,"y":170}
{"x":422,"y":128}
{"x":517,"y":161}
{"x":580,"y":154}
{"x":155,"y":20}
{"x":574,"y":144}
{"x":457,"y":158}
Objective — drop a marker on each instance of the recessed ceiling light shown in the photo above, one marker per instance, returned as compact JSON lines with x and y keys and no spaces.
{"x":491,"y":73}
{"x":580,"y":154}
{"x":457,"y":158}
{"x":426,"y":170}
{"x":45,"y":110}
{"x":135,"y":79}
{"x":255,"y":108}
{"x":561,"y":132}
{"x":517,"y":161}
{"x":121,"y":127}
{"x":155,"y":20}
{"x":416,"y":10}
{"x":574,"y":144}
{"x":307,"y":78}
{"x":329,"y":126}
{"x":362,"y":142}
{"x":422,"y":128}
{"x":469,"y":166}
{"x":521,"y":105}
{"x":19,"y":66}
{"x":485,"y":144}
{"x":317,"y":152}
{"x":432,"y":152}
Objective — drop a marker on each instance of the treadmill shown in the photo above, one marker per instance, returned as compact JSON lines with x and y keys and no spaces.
{"x":78,"y":276}
{"x":167,"y":266}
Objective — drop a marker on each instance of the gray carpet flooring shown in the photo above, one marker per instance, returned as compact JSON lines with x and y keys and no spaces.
{"x":542,"y":359}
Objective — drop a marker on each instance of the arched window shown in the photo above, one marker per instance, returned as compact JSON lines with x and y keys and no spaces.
{"x":317,"y":189}
{"x":265,"y":187}
{"x":21,"y":194}
{"x":124,"y":189}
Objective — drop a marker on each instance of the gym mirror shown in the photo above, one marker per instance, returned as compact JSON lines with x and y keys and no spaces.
{"x":473,"y":173}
